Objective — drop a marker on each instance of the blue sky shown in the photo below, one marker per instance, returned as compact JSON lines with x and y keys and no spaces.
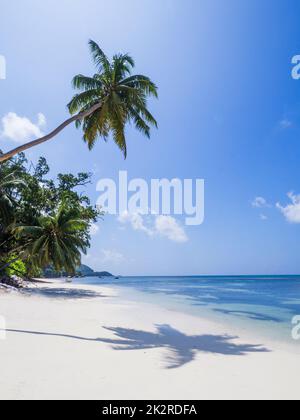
{"x":228,"y":112}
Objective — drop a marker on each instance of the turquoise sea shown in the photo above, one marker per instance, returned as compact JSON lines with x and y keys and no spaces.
{"x":265,"y":304}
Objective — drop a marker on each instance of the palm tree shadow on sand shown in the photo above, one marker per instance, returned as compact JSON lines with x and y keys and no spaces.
{"x":62,"y":293}
{"x":182,"y":348}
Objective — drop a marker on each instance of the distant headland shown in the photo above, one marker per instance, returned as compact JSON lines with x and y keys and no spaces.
{"x":82,"y":271}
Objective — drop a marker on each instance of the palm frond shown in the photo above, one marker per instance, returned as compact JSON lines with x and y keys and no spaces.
{"x":86,"y":83}
{"x":83,"y":101}
{"x":141,"y":82}
{"x":99,"y":57}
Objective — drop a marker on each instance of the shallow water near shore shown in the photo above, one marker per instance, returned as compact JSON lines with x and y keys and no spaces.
{"x":265,"y":305}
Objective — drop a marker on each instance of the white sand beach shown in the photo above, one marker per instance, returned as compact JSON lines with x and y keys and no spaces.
{"x":85,"y":342}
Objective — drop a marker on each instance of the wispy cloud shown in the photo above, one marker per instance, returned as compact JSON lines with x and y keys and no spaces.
{"x":112,"y":256}
{"x":168,"y":227}
{"x":20,"y":129}
{"x":260,"y":202}
{"x":291,"y":212}
{"x":163,"y":226}
{"x":136,"y":220}
{"x":94,"y":229}
{"x":285,"y":123}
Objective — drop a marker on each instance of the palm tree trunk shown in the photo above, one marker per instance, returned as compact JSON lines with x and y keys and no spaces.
{"x":29,"y":145}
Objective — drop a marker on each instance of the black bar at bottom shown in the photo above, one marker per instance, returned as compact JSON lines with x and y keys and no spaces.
{"x":103,"y":409}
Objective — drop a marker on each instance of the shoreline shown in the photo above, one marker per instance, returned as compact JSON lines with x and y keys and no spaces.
{"x":87,"y":342}
{"x":236,"y":326}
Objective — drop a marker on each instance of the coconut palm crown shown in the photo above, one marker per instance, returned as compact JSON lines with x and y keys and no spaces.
{"x":57,"y":240}
{"x":105,"y":104}
{"x":121,"y":96}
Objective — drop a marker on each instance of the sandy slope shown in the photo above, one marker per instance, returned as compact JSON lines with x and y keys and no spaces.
{"x":92,"y":346}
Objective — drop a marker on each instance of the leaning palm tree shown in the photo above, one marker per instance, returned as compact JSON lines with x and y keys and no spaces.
{"x":106,"y":103}
{"x":56,"y":240}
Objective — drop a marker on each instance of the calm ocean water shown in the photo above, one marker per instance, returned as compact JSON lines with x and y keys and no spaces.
{"x":265,"y":304}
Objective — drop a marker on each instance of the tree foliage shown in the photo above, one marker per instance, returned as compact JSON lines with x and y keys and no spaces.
{"x":123,"y":98}
{"x":43,"y":221}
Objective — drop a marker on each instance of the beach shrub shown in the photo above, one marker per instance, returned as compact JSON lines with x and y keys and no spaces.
{"x":17,"y":267}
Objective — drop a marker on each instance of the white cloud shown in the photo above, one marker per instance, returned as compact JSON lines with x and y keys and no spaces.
{"x":168,"y":227}
{"x":263,"y":217}
{"x":292,"y":211}
{"x":136,"y":220}
{"x":260,"y":202}
{"x":165,"y":226}
{"x":20,"y":129}
{"x":111,"y":256}
{"x":94,"y":229}
{"x":42,"y":122}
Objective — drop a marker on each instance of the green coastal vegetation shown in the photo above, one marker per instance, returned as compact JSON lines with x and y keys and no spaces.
{"x":45,"y":223}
